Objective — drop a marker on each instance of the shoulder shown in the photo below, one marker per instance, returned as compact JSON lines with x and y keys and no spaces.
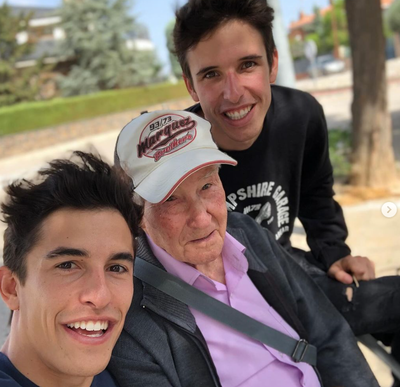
{"x":104,"y":379}
{"x":239,"y":220}
{"x":194,"y":108}
{"x":10,"y":376}
{"x":248,"y":232}
{"x":295,"y":102}
{"x":293,"y":95}
{"x":7,"y":381}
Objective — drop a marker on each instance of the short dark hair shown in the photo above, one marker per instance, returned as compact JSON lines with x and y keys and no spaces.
{"x":199,"y":18}
{"x":87,"y":184}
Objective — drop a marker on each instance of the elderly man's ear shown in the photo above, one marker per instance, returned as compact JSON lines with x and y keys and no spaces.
{"x":143,"y":222}
{"x":8,"y":288}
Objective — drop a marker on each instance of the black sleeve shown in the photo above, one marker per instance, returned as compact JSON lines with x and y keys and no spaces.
{"x":320,"y":214}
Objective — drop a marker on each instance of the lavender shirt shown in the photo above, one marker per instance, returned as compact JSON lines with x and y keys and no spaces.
{"x":240,"y":360}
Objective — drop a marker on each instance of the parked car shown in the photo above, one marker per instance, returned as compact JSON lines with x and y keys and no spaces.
{"x":326,"y":64}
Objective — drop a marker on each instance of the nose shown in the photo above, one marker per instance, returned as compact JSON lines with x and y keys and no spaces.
{"x":233,"y":89}
{"x":199,"y":217}
{"x":95,"y":289}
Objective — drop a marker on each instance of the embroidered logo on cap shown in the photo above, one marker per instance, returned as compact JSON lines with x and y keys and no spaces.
{"x":166,"y":134}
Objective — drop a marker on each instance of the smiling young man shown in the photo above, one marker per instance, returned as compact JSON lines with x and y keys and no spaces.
{"x":280,"y":140}
{"x":67,"y":274}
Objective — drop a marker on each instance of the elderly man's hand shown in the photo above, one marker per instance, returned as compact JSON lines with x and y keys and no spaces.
{"x":344,"y":269}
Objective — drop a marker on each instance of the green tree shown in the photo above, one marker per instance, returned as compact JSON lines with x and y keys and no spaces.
{"x":15,"y":85}
{"x":97,"y":36}
{"x":392,"y":25}
{"x":175,"y":66}
{"x":322,"y":28}
{"x":393,"y":16}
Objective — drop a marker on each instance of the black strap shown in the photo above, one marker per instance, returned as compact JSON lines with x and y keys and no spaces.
{"x":298,"y":350}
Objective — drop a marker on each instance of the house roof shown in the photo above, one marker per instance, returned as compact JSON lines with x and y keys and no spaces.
{"x":37,"y":12}
{"x":307,"y":19}
{"x":386,"y":3}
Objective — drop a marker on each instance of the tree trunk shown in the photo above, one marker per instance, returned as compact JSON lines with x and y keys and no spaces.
{"x":396,"y":43}
{"x":373,"y":163}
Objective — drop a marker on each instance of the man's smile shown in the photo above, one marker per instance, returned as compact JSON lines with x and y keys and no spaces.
{"x":237,"y":114}
{"x":90,"y":328}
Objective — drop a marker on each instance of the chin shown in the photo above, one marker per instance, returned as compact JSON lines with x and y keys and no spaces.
{"x":91,"y":370}
{"x":208,"y":257}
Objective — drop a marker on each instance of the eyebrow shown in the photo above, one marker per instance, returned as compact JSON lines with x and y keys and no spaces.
{"x":68,"y":251}
{"x":61,"y":251}
{"x":211,"y":172}
{"x":122,"y":257}
{"x":251,"y":57}
{"x":209,"y":68}
{"x":206,"y":69}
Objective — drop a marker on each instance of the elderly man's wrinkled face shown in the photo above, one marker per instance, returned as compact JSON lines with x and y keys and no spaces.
{"x":191,"y":224}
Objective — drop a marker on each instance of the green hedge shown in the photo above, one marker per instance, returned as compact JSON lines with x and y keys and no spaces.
{"x":35,"y":115}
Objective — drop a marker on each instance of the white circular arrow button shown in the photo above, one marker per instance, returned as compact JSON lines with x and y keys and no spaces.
{"x":389,"y":209}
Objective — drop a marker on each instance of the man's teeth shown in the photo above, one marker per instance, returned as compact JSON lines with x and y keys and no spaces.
{"x":89,"y":325}
{"x":237,"y":115}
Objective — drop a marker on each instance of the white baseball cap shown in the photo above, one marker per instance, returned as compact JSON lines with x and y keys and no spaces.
{"x":160,"y":149}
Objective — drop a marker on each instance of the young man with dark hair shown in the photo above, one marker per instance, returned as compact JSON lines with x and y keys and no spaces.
{"x":279,"y":138}
{"x":67,"y":274}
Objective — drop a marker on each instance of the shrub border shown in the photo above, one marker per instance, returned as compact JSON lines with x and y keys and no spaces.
{"x":41,"y":114}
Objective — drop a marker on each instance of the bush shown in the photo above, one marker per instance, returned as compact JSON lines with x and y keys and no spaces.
{"x":339,"y":152}
{"x":41,"y":114}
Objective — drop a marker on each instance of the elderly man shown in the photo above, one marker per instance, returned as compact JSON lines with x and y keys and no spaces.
{"x":173,"y":163}
{"x":67,"y":274}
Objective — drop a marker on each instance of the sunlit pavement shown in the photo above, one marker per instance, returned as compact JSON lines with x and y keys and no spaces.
{"x":370,"y":233}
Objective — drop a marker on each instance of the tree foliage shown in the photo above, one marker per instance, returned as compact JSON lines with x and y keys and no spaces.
{"x":97,"y":35}
{"x":15,"y":85}
{"x":393,"y":16}
{"x":322,"y":27}
{"x":175,"y":66}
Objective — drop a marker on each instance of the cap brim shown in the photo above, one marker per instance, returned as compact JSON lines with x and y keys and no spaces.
{"x":164,"y":180}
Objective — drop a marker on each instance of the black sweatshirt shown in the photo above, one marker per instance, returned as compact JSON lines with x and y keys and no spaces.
{"x":286,"y":174}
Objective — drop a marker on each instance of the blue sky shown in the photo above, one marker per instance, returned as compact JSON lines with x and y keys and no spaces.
{"x":156,"y":14}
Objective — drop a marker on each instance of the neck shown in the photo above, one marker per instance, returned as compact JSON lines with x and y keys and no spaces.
{"x":225,"y":143}
{"x":214,"y":270}
{"x":32,"y":367}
